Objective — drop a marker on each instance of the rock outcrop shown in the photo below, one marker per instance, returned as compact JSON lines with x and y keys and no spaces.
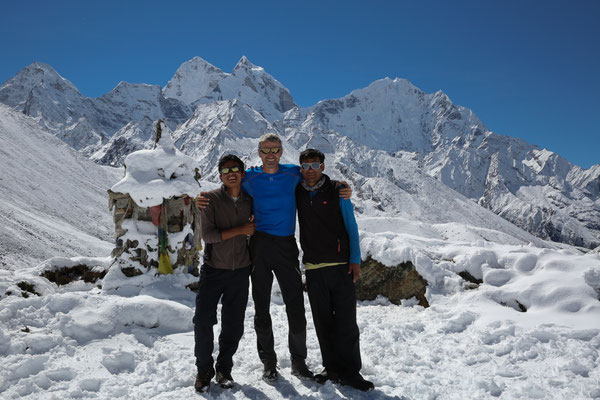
{"x":397,"y":283}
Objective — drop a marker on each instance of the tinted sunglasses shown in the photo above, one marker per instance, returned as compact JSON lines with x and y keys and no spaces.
{"x":227,"y":170}
{"x":313,"y":165}
{"x":267,"y":150}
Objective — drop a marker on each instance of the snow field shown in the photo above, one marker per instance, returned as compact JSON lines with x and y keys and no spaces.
{"x":135,"y":340}
{"x":409,"y":352}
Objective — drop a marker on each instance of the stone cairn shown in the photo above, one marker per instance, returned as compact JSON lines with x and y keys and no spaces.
{"x":154,"y":212}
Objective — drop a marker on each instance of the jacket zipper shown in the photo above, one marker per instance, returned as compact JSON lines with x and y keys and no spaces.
{"x":235,"y":207}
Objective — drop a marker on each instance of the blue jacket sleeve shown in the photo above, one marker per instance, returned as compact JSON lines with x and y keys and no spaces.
{"x":352,"y":229}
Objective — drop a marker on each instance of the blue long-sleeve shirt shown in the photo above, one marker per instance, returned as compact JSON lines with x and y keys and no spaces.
{"x":274,"y":198}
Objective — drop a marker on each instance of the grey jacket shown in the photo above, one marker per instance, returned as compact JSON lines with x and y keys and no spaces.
{"x":223,"y":213}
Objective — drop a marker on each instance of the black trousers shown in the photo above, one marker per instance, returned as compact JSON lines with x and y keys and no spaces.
{"x":231,"y":286}
{"x":277,"y":255}
{"x":332,"y":298}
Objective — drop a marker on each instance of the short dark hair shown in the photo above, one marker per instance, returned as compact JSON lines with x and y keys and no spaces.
{"x":230,"y":157}
{"x":311,"y":153}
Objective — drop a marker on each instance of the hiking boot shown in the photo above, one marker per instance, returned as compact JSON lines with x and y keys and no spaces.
{"x":326,"y":375}
{"x":224,"y":380}
{"x":300,"y":370}
{"x":358,"y":382}
{"x":203,"y":380}
{"x":270,"y":372}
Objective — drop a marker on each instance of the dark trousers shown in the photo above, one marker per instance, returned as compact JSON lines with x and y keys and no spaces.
{"x":231,"y":286}
{"x":332,"y":298}
{"x":277,"y":255}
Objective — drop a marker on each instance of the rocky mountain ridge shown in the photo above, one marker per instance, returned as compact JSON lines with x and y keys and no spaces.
{"x":371,"y":135}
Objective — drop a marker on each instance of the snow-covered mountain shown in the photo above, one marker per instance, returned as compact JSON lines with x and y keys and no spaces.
{"x":40,"y":92}
{"x":534,"y":188}
{"x":198,"y":82}
{"x":390,"y":123}
{"x":84,"y":123}
{"x":52,"y":198}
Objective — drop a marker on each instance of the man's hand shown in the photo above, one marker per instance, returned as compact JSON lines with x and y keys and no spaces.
{"x":249,"y":227}
{"x":201,"y":201}
{"x":346,"y":191}
{"x":354,"y":269}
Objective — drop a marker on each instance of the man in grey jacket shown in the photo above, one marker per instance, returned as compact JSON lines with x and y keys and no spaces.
{"x":227,"y":222}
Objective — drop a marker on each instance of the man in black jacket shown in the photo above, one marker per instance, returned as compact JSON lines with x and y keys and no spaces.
{"x":329,"y":240}
{"x":227,"y":222}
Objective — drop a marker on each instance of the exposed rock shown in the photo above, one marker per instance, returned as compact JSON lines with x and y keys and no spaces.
{"x":67,"y":275}
{"x":130,"y":272}
{"x":396,"y":283}
{"x":27,"y":288}
{"x":473,"y":282}
{"x":514,"y":304}
{"x":193,"y":286}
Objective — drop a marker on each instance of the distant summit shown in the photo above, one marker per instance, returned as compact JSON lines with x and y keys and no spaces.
{"x":198,"y":82}
{"x":16,"y":91}
{"x":194,"y":80}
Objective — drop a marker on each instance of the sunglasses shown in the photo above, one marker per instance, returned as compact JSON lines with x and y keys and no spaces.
{"x":227,"y":170}
{"x":267,"y":150}
{"x":313,"y":165}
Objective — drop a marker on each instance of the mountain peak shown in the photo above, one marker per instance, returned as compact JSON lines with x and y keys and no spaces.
{"x":246,"y":64}
{"x":441,"y":95}
{"x":42,"y":66}
{"x":198,"y":63}
{"x":193,"y":80}
{"x":37,"y":72}
{"x":16,"y":91}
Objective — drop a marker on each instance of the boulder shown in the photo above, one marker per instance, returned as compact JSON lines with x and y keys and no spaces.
{"x":396,"y":283}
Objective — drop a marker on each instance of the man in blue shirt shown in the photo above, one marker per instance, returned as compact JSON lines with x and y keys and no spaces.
{"x":273,"y":250}
{"x":330,"y":242}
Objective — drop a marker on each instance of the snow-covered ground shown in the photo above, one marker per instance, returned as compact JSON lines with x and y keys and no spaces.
{"x":77,"y":341}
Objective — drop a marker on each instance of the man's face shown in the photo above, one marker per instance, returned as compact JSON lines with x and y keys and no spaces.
{"x":231,"y":179}
{"x":270,"y":159}
{"x":310,"y":175}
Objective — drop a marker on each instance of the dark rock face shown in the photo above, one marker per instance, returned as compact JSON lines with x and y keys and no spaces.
{"x":67,"y":275}
{"x":396,"y":283}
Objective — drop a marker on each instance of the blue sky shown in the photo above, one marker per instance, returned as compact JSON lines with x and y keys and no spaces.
{"x":528,"y":69}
